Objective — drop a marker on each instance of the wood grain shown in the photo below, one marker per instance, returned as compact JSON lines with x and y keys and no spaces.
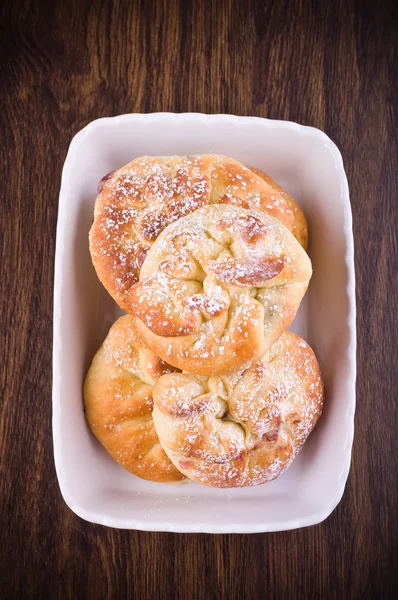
{"x":331,"y":65}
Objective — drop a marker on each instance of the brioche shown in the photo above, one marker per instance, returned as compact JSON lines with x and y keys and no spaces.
{"x":135,"y":203}
{"x":118,"y":403}
{"x":218,"y":287}
{"x":242,"y":429}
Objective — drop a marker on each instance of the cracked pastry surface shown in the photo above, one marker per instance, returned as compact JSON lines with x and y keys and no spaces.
{"x":218,"y":287}
{"x":118,"y":403}
{"x":242,"y":429}
{"x":135,"y":203}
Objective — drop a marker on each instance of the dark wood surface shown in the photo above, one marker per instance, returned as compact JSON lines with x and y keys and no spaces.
{"x":332,"y":65}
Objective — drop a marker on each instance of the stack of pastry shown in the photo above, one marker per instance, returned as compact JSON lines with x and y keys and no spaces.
{"x":201,"y":379}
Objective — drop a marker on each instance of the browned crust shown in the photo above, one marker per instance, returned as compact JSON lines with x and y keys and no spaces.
{"x":299,"y":226}
{"x":118,"y":403}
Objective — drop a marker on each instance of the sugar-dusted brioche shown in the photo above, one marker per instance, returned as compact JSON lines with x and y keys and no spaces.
{"x":118,"y":403}
{"x":218,"y":287}
{"x":135,"y":203}
{"x":242,"y":429}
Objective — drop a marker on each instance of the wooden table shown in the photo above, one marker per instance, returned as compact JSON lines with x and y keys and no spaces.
{"x":331,"y":65}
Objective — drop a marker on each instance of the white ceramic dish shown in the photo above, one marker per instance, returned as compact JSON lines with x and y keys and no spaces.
{"x":309,"y":165}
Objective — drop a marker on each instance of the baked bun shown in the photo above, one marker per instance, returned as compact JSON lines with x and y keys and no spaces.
{"x":136,"y":202}
{"x":299,"y":228}
{"x":118,"y":403}
{"x":218,"y":287}
{"x":241,"y":429}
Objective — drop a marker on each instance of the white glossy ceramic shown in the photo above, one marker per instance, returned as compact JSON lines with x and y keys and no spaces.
{"x":309,"y":165}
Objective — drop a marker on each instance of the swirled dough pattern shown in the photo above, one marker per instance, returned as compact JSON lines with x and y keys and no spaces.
{"x":218,"y":287}
{"x":241,"y":429}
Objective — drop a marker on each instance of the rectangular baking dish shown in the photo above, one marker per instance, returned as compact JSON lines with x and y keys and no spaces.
{"x":309,"y":165}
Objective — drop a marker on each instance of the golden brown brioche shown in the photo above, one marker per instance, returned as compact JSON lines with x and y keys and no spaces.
{"x":118,"y":403}
{"x":300,"y":227}
{"x":136,"y":202}
{"x":218,"y":287}
{"x":241,"y":429}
